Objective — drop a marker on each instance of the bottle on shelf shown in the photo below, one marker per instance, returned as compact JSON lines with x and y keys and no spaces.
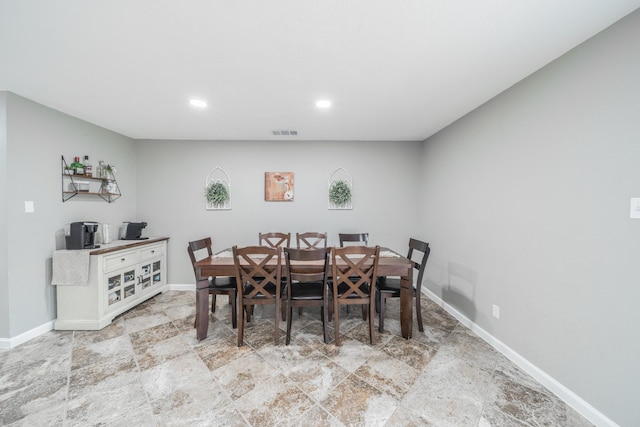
{"x":100,"y":169}
{"x":88,"y":167}
{"x":77,"y":167}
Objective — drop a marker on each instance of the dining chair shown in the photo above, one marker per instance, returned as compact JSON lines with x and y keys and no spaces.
{"x":307,"y":286}
{"x":354,"y":271}
{"x":259,"y":282}
{"x":197,"y":250}
{"x":389,"y":287}
{"x":274,"y":239}
{"x":354,"y":238}
{"x":311,"y":240}
{"x":362,"y":238}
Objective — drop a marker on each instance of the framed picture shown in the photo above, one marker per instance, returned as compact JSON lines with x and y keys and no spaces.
{"x":278,"y":186}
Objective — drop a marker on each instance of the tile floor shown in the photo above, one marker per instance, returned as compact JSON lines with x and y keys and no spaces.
{"x":148,"y":369}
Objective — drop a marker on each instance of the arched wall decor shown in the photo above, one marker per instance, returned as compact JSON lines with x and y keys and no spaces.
{"x":218,"y":176}
{"x":340,"y":187}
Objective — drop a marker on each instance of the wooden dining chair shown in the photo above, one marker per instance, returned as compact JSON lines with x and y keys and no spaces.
{"x":311,"y":240}
{"x":307,"y":286}
{"x":354,"y":270}
{"x":197,"y":250}
{"x":357,"y":238}
{"x":389,"y":287}
{"x":258,"y":278}
{"x":274,"y":239}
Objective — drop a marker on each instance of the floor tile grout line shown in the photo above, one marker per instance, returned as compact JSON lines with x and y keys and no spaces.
{"x":139,"y":375}
{"x":66,"y":398}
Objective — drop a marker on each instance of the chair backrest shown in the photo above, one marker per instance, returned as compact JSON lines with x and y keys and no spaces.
{"x":258,"y":266}
{"x":195,"y":247}
{"x":274,"y":240}
{"x":297,"y":273}
{"x":423,"y":247}
{"x":353,"y":267}
{"x":353,"y":237}
{"x":311,"y":240}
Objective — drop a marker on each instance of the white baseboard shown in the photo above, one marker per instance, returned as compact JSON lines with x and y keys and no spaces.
{"x":8,"y":343}
{"x":576,"y":402}
{"x":182,"y":287}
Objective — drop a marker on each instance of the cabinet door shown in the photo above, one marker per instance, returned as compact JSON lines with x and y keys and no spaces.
{"x":121,"y":286}
{"x":145,"y":275}
{"x":151,"y":273}
{"x":158,"y":274}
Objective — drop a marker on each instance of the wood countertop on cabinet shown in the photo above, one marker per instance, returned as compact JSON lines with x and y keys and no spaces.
{"x":118,"y":245}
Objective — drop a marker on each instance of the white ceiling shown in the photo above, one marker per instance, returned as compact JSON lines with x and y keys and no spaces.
{"x":394,"y":70}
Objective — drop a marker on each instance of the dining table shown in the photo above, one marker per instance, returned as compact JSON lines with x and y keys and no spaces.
{"x":221,"y":264}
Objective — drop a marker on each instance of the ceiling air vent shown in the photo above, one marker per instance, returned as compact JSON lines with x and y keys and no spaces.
{"x":285,"y":132}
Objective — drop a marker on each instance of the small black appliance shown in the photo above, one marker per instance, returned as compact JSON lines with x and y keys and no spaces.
{"x":133,"y":231}
{"x":82,"y":235}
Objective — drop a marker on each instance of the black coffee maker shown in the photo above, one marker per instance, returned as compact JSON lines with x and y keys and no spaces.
{"x":82,"y":235}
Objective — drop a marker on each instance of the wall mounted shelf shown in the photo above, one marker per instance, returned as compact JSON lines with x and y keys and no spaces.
{"x":91,"y":186}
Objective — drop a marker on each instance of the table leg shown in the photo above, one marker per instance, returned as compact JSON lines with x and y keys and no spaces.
{"x":406,"y":304}
{"x":202,"y":320}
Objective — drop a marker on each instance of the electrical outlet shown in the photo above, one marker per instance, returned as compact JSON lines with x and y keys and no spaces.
{"x":496,"y":311}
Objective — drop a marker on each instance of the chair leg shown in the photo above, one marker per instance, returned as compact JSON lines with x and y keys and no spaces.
{"x":234,"y":310}
{"x":325,"y":319}
{"x":288,"y":340}
{"x":195,"y":321}
{"x":241,"y":324}
{"x":419,"y":312}
{"x":381,"y":303}
{"x":336,"y":321}
{"x":277,"y":315}
{"x":372,"y":326}
{"x":213,"y":303}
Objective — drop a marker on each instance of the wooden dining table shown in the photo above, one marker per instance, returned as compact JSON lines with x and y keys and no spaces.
{"x":390,"y":263}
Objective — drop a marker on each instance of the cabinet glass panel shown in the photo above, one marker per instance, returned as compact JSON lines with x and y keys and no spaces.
{"x":156,"y":266}
{"x":114,"y":296}
{"x":129,"y":276}
{"x":146,"y":282}
{"x":156,"y":278}
{"x":129,"y":291}
{"x":146,"y":269}
{"x":113,"y":282}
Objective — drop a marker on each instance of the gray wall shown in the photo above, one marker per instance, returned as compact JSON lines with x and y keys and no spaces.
{"x":4,"y":286}
{"x":171,"y":178}
{"x":526,"y":205}
{"x":36,"y":138}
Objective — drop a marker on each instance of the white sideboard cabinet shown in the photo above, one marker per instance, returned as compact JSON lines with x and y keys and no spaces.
{"x":122,"y":275}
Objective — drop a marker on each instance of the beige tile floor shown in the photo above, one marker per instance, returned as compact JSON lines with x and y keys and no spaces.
{"x":148,"y":369}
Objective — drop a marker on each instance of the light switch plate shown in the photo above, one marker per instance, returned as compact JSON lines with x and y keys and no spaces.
{"x":28,"y":207}
{"x":635,"y":208}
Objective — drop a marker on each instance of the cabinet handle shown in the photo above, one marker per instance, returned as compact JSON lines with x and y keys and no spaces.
{"x":122,"y":259}
{"x":153,"y":251}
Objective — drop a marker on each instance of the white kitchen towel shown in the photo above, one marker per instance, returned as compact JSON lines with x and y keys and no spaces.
{"x":70,"y":267}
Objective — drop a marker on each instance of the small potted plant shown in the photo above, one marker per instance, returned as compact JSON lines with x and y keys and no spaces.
{"x":109,"y":170}
{"x":340,"y":193}
{"x":216,"y":193}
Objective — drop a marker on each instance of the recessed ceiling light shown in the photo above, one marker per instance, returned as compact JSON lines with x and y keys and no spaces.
{"x":198,"y":103}
{"x":323,"y":103}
